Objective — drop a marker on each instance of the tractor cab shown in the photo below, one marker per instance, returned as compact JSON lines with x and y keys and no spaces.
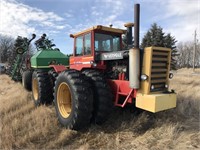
{"x":94,"y":45}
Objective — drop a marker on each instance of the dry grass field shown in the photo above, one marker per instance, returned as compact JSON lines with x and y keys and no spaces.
{"x":22,"y":126}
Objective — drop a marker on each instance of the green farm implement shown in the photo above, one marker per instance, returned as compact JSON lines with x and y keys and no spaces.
{"x":22,"y":60}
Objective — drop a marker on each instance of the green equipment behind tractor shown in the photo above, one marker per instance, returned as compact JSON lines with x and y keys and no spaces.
{"x":43,"y":76}
{"x":22,"y":59}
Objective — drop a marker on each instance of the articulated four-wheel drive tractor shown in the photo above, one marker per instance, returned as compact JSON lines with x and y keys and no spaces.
{"x":100,"y":74}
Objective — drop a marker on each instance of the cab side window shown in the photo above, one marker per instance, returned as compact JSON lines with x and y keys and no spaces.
{"x":87,"y":44}
{"x":79,"y":46}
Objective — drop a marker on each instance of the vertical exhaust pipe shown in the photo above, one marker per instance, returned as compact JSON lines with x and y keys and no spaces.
{"x":134,"y":53}
{"x":137,"y":25}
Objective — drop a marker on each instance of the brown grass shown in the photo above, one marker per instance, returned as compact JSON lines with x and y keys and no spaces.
{"x":22,"y":126}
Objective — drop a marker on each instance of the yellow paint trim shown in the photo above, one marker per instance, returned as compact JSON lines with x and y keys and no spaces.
{"x":100,"y":27}
{"x":147,"y":67}
{"x":113,"y":30}
{"x":156,"y":102}
{"x":91,"y":57}
{"x":169,"y":64}
{"x":160,"y":48}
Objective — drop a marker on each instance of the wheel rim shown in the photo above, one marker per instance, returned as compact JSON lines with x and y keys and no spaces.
{"x":35,"y":89}
{"x":23,"y":81}
{"x":19,"y":50}
{"x":64,"y":100}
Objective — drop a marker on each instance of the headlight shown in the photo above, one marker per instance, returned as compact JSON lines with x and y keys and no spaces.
{"x":143,"y":77}
{"x":152,"y":87}
{"x":171,"y":75}
{"x":93,"y":63}
{"x":124,"y":69}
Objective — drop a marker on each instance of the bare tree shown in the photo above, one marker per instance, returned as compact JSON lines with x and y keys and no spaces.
{"x":6,"y":47}
{"x":32,"y":49}
{"x":197,"y":57}
{"x":185,"y":59}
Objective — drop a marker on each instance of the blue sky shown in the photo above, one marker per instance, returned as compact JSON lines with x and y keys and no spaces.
{"x":59,"y":18}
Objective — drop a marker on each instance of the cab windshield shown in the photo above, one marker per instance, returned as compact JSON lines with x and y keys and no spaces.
{"x":106,"y":42}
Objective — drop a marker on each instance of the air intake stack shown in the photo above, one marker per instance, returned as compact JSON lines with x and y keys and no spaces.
{"x":129,"y":35}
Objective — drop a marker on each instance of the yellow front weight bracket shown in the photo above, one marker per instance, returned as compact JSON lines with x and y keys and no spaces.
{"x":156,"y":102}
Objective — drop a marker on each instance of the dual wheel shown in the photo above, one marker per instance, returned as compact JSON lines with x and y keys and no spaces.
{"x":41,"y":84}
{"x":27,"y":80}
{"x":42,"y":88}
{"x":79,"y":98}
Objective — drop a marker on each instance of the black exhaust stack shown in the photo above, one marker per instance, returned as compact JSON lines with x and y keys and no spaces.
{"x":136,"y":25}
{"x":134,"y":53}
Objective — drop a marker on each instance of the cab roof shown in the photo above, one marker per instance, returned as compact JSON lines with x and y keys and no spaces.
{"x":99,"y":28}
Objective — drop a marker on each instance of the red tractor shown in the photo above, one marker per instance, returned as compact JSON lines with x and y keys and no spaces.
{"x":102,"y":74}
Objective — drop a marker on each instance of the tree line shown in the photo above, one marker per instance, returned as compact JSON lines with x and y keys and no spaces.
{"x":182,"y":52}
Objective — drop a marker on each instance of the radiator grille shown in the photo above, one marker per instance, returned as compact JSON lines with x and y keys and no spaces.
{"x":159,"y":70}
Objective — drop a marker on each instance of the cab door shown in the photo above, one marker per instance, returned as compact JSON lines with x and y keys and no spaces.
{"x":83,"y":57}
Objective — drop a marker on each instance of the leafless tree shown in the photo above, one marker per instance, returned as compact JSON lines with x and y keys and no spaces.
{"x":185,"y":59}
{"x":6,"y":47}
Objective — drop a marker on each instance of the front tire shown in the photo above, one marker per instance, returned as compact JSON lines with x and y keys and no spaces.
{"x":73,"y":100}
{"x":42,"y":88}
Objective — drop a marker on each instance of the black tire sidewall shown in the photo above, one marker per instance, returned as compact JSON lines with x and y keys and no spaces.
{"x":103,"y":103}
{"x":69,"y":120}
{"x":27,"y":80}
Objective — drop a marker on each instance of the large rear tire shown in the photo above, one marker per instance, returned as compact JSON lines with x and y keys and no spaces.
{"x":42,"y":88}
{"x":27,"y":80}
{"x":102,"y":96}
{"x":73,"y":99}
